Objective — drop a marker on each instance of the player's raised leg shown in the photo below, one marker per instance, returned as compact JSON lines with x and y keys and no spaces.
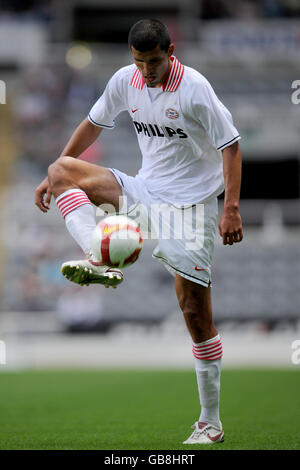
{"x":195,"y":303}
{"x":75,"y":185}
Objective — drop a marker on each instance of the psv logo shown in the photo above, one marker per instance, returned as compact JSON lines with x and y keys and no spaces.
{"x":171,"y":113}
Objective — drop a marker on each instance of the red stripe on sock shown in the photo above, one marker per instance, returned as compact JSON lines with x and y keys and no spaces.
{"x":209,"y":351}
{"x":75,"y":201}
{"x":67,"y":205}
{"x":65,"y":201}
{"x":207,"y":346}
{"x":69,"y":197}
{"x":70,"y":210}
{"x":210,"y":358}
{"x":76,"y":192}
{"x":72,"y":201}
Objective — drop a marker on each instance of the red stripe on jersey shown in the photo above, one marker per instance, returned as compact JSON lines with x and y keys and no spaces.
{"x":175,"y":76}
{"x":172,"y":82}
{"x":172,"y":76}
{"x":132,"y":83}
{"x":178,"y":78}
{"x":137,"y":80}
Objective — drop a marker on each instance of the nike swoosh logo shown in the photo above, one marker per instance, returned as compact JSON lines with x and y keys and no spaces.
{"x":199,"y":269}
{"x":216,"y":437}
{"x":134,"y":110}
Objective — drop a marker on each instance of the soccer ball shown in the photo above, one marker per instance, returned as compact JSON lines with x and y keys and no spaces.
{"x":117,"y":241}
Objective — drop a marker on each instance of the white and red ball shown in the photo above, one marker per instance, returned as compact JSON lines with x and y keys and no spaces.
{"x":117,"y":241}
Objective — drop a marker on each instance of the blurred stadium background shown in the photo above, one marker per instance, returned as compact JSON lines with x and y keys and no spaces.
{"x":55,"y":59}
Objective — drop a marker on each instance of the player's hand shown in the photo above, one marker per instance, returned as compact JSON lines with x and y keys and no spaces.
{"x":43,"y":196}
{"x":230,"y":227}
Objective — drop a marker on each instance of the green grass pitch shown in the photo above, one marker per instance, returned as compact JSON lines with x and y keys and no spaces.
{"x":149,"y":409}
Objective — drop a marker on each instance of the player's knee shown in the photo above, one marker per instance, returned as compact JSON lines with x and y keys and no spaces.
{"x":61,"y":165}
{"x":60,"y":171}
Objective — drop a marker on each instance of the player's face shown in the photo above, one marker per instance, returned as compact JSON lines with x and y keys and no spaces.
{"x":154,"y":65}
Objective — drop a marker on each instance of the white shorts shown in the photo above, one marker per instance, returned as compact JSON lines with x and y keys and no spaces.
{"x":185,"y":235}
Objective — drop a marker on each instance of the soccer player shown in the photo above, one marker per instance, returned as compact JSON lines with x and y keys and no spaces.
{"x":190,"y":155}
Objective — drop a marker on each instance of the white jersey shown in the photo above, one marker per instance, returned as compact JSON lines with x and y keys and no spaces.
{"x":181,"y":129}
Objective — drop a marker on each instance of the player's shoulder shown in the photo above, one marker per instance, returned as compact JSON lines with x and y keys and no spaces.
{"x":124,"y":73}
{"x":196,"y":88}
{"x":193,"y":78}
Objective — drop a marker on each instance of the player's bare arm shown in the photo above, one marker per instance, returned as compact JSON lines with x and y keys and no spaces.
{"x":230,"y":225}
{"x":85,"y":134}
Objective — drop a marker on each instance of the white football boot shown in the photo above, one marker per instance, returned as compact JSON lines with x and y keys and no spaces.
{"x":205,"y":433}
{"x":87,"y":271}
